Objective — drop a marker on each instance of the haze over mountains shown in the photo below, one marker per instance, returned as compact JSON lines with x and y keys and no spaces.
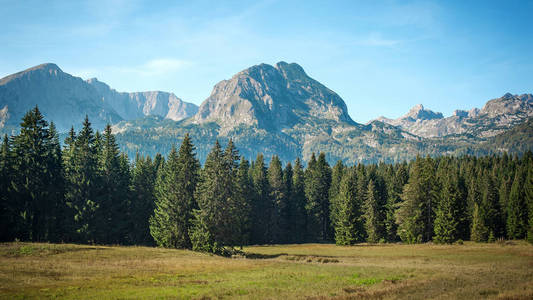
{"x":264,"y":109}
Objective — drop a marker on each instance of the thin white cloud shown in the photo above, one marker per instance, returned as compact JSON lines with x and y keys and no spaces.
{"x":152,"y":68}
{"x":159,"y":66}
{"x":377,"y":40}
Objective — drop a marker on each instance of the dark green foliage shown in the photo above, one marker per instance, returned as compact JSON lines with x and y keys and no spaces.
{"x":88,"y":192}
{"x":175,"y":201}
{"x":113,"y":199}
{"x":279,"y":222}
{"x":243,"y":205}
{"x":217,"y":221}
{"x":35,"y":178}
{"x":415,"y":214}
{"x":517,"y":207}
{"x":82,"y":183}
{"x":262,"y":207}
{"x":336,"y":176}
{"x":297,"y":218}
{"x":8,"y":209}
{"x":349,"y":226}
{"x":372,"y":214}
{"x":144,"y":174}
{"x":317,"y":184}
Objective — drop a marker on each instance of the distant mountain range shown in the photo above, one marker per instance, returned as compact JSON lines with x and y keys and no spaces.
{"x":497,"y":116}
{"x":264,"y":109}
{"x":66,"y":100}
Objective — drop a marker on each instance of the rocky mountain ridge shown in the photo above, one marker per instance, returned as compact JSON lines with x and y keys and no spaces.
{"x":66,"y":99}
{"x":264,"y":109}
{"x":497,"y":116}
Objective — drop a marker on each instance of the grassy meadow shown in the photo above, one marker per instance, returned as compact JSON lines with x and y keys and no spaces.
{"x":310,"y":271}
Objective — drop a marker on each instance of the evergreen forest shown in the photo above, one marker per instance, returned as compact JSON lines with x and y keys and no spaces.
{"x":85,"y":190}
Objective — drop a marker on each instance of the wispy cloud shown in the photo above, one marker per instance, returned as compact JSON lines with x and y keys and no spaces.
{"x":157,"y":67}
{"x":376,"y":40}
{"x":152,"y":68}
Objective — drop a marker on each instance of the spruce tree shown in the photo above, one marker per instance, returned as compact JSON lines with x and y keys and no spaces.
{"x":8,"y":208}
{"x":216,"y":222}
{"x":528,"y":189}
{"x":479,"y":232}
{"x":516,"y":208}
{"x":278,"y":195}
{"x":318,"y":180}
{"x":415,"y":213}
{"x":175,"y":201}
{"x":144,"y":174}
{"x":31,"y":181}
{"x":349,"y":226}
{"x":372,"y":214}
{"x":447,"y":217}
{"x":57,"y":226}
{"x":336,"y":177}
{"x":395,"y":186}
{"x":297,"y":220}
{"x":261,"y":206}
{"x":82,"y":184}
{"x":245,"y":195}
{"x":113,"y":200}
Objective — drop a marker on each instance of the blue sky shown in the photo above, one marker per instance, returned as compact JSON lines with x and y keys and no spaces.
{"x":381,"y":57}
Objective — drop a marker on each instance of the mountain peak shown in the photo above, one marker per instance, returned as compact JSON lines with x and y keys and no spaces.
{"x":271,"y":97}
{"x":46,"y":68}
{"x":418,"y":112}
{"x":507,"y":96}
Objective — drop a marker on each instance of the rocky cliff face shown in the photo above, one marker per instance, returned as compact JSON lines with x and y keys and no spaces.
{"x":66,"y":100}
{"x":140,"y":104}
{"x":63,"y":98}
{"x":495,"y":117}
{"x":270,"y":97}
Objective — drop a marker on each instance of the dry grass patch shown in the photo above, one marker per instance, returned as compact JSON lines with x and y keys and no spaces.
{"x":321,"y":271}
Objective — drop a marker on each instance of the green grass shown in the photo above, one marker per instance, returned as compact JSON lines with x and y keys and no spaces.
{"x":316,"y":271}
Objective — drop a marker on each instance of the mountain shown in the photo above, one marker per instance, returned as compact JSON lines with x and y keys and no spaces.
{"x":497,"y":116}
{"x":271,"y":97}
{"x":265,"y":109}
{"x":140,"y":104}
{"x":61,"y":97}
{"x":275,"y":110}
{"x":66,"y":99}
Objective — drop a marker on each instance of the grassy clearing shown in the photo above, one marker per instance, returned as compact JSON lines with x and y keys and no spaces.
{"x":469,"y":271}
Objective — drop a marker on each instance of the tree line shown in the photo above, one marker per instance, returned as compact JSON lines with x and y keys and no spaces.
{"x":88,"y":191}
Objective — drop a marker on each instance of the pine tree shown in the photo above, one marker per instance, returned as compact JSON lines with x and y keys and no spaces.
{"x":318,"y":180}
{"x":297,"y":219}
{"x":245,"y":195}
{"x":415,"y":214}
{"x":372,"y":214}
{"x":278,"y":195}
{"x":113,"y":200}
{"x":8,"y":208}
{"x":261,"y":206}
{"x":56,"y":225}
{"x":395,"y":186}
{"x":175,"y":201}
{"x":516,"y":209}
{"x":82,"y":183}
{"x":143,"y":200}
{"x":528,"y":189}
{"x":31,"y":182}
{"x":349,"y":226}
{"x":479,"y":232}
{"x":336,"y":177}
{"x":216,"y":223}
{"x":447,"y":217}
